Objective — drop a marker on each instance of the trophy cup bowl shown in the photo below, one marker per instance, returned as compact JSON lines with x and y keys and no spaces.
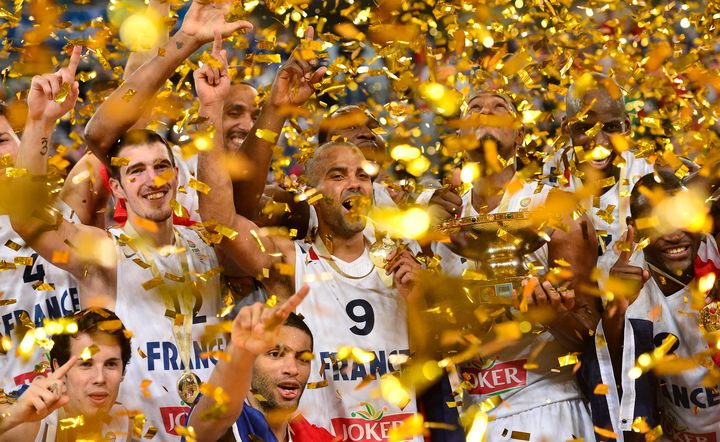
{"x":498,"y":244}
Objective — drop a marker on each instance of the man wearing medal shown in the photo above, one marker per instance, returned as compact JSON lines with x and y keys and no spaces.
{"x":656,"y":292}
{"x":351,"y":305}
{"x":524,"y":381}
{"x":161,"y":280}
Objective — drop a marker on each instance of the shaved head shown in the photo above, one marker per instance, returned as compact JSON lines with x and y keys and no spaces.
{"x":577,"y":98}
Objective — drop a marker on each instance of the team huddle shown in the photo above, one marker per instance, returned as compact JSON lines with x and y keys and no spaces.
{"x":585,"y":312}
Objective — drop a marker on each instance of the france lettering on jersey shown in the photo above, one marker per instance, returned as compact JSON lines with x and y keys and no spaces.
{"x":32,"y":288}
{"x":505,"y":374}
{"x":361,"y":313}
{"x":690,"y":409}
{"x":610,"y":210}
{"x":156,"y":356}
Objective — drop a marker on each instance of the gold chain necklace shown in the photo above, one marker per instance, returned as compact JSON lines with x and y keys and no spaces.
{"x":324,"y":254}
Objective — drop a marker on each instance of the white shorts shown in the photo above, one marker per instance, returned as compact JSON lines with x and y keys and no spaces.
{"x":557,"y":422}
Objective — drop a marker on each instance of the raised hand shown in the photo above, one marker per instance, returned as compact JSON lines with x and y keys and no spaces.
{"x":256,"y":327}
{"x":205,"y":17}
{"x":53,"y":95}
{"x":445,"y":202}
{"x":626,"y":279}
{"x":43,"y":396}
{"x":212,"y":82}
{"x":296,"y":79}
{"x":405,"y":270}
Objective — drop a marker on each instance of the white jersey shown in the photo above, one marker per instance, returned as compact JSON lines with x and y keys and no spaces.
{"x":155,"y":355}
{"x":361,"y":313}
{"x":505,"y":374}
{"x":186,"y":195}
{"x":610,"y":209}
{"x":691,"y":410}
{"x":118,"y":430}
{"x":32,"y":288}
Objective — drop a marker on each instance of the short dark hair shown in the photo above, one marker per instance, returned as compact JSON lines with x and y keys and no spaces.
{"x":90,"y":321}
{"x":136,"y":137}
{"x":297,"y":321}
{"x":663,"y":180}
{"x":3,"y":109}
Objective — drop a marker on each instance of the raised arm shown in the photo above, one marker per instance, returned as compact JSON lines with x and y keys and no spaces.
{"x":254,"y":332}
{"x":294,"y":84}
{"x":84,"y":191}
{"x":54,"y":238}
{"x":250,"y":253}
{"x":43,"y":397}
{"x":126,"y":105}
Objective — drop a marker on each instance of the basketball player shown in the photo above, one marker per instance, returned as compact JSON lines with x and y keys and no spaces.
{"x":78,"y":386}
{"x":529,"y":396}
{"x":32,"y":288}
{"x":355,"y":308}
{"x":655,"y":310}
{"x":162,"y":280}
{"x":611,"y":174}
{"x":270,"y":357}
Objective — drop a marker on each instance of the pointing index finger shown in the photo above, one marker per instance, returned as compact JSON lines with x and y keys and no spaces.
{"x":629,"y":238}
{"x":217,"y":43}
{"x":294,"y":301}
{"x":310,"y":33}
{"x":72,"y":65}
{"x":62,"y":371}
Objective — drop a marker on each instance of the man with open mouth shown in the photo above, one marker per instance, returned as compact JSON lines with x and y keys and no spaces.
{"x":265,"y":376}
{"x":354,"y":308}
{"x":88,"y":367}
{"x":597,"y":122}
{"x":524,"y":397}
{"x":654,"y":311}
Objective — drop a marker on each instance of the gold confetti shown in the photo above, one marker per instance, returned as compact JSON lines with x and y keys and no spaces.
{"x":89,"y":352}
{"x":267,"y":58}
{"x":119,"y":161}
{"x":62,"y":93}
{"x":601,"y":389}
{"x":199,"y":186}
{"x":23,"y":260}
{"x":13,"y":245}
{"x":267,"y":135}
{"x":568,"y":359}
{"x":316,"y":385}
{"x":71,"y":422}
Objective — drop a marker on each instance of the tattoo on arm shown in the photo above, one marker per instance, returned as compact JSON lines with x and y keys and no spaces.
{"x":44,"y":146}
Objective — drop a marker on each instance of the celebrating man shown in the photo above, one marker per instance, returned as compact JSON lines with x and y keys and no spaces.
{"x":524,"y":380}
{"x":162,"y":280}
{"x":80,"y":391}
{"x":654,"y":311}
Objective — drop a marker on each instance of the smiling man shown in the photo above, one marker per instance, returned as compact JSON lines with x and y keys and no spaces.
{"x":596,"y":121}
{"x":78,"y":386}
{"x":162,"y":280}
{"x":654,"y":308}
